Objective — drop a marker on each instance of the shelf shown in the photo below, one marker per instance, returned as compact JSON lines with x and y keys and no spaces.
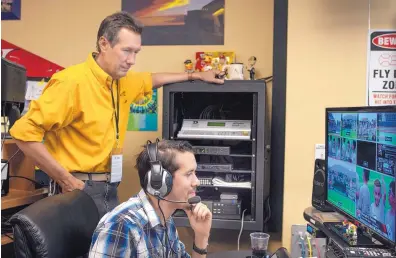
{"x":241,"y":155}
{"x":6,"y":240}
{"x":234,"y":171}
{"x":204,"y":139}
{"x":16,"y":198}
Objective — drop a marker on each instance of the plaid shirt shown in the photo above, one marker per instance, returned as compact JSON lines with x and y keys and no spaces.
{"x":133,"y":229}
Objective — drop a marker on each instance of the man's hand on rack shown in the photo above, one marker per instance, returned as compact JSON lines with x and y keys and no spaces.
{"x":211,"y":76}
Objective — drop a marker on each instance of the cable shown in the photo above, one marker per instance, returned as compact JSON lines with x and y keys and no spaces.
{"x":280,"y":248}
{"x":302,"y":244}
{"x":269,"y":211}
{"x":10,"y":237}
{"x":309,"y":244}
{"x":8,"y":161}
{"x":166,"y":232}
{"x":317,"y":247}
{"x":240,"y":232}
{"x":31,"y":180}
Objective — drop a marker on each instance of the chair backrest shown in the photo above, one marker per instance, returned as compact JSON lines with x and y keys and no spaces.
{"x":57,"y":226}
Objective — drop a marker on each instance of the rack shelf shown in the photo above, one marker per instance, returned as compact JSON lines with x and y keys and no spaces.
{"x":234,"y":171}
{"x":249,"y":160}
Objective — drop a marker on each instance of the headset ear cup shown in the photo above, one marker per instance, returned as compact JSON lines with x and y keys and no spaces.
{"x":168,"y":182}
{"x":146,"y":182}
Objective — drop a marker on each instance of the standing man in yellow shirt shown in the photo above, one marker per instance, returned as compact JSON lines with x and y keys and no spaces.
{"x":82,"y":114}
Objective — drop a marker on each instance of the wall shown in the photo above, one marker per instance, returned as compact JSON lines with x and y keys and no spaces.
{"x":326,"y":67}
{"x":65,"y":32}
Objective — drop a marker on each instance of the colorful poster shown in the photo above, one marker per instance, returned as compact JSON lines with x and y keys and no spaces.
{"x":144,"y":116}
{"x":381,"y":81}
{"x":176,"y":22}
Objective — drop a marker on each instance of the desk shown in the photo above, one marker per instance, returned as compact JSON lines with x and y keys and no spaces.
{"x":21,"y":191}
{"x":231,"y":254}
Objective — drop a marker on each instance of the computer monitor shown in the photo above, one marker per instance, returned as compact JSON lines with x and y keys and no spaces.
{"x":360,"y":166}
{"x":13,"y":90}
{"x":13,"y":82}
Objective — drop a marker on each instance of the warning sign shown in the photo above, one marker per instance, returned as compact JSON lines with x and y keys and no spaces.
{"x":382,"y":68}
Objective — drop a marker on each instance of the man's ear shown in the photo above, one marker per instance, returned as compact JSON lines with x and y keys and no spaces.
{"x":104,"y":44}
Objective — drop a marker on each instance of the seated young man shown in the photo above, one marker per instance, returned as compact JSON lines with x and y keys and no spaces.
{"x":137,"y":228}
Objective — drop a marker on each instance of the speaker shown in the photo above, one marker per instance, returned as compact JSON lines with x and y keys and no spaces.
{"x":319,"y":189}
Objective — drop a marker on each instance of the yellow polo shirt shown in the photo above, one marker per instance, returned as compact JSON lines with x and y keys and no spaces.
{"x":75,"y":115}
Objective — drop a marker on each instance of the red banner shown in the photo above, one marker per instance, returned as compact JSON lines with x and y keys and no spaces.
{"x":35,"y":65}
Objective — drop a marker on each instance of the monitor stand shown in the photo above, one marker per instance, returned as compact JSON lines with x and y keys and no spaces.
{"x":361,"y":239}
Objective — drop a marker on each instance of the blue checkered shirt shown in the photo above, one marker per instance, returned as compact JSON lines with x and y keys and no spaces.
{"x":133,"y":229}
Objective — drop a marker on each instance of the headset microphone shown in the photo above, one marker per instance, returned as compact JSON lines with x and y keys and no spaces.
{"x":192,"y":200}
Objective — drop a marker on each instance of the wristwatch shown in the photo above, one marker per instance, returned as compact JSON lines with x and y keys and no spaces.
{"x":199,"y":250}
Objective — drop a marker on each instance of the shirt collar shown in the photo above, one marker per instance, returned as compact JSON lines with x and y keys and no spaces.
{"x":97,"y":71}
{"x":149,"y":209}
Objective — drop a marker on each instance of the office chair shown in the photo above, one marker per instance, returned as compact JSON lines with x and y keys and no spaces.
{"x":57,"y":226}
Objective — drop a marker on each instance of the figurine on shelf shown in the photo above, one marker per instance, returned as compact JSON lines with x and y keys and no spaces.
{"x":252,"y":70}
{"x":222,"y":63}
{"x":188,"y":66}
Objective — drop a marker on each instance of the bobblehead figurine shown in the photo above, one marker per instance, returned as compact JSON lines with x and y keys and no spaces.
{"x":188,"y":66}
{"x":252,"y":70}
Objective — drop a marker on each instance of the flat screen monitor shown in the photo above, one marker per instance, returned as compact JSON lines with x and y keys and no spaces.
{"x":360,"y":166}
{"x":13,"y":82}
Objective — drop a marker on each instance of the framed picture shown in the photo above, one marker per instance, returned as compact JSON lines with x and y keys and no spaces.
{"x":10,"y":9}
{"x":177,"y":22}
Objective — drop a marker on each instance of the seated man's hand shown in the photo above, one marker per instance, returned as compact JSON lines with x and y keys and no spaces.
{"x":200,"y":220}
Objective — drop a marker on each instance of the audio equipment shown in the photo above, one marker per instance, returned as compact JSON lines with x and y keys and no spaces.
{"x":215,"y":129}
{"x":158,"y":181}
{"x":214,"y":167}
{"x":221,"y":209}
{"x":205,"y":180}
{"x":319,"y":191}
{"x":211,"y":150}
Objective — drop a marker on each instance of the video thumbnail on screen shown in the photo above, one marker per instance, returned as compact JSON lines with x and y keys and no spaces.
{"x":387,"y":128}
{"x":386,"y":159}
{"x":375,"y":201}
{"x":342,"y":185}
{"x":367,"y":126}
{"x":349,"y":125}
{"x":366,"y":154}
{"x":334,"y":123}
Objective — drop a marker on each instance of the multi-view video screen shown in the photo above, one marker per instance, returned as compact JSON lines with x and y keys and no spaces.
{"x":361,"y":157}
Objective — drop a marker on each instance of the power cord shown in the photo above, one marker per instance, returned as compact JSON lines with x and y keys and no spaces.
{"x":8,"y":161}
{"x":240,"y":232}
{"x":269,"y":211}
{"x":37,"y":184}
{"x":278,"y":250}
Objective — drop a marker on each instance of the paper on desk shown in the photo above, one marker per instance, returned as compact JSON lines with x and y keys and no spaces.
{"x":34,"y":89}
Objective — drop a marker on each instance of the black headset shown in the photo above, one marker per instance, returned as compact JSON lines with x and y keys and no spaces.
{"x":157,"y":181}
